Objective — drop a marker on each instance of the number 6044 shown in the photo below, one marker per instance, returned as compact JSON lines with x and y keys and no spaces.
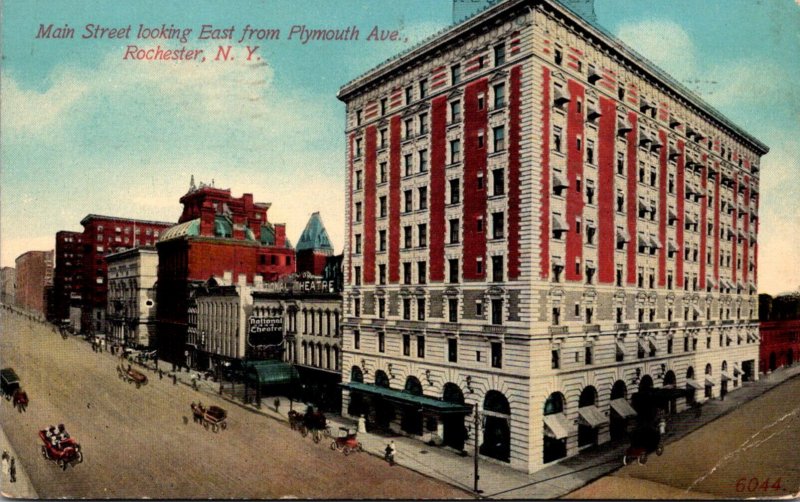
{"x":754,"y":484}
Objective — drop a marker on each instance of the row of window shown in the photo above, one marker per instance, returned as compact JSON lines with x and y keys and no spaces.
{"x":646,"y":106}
{"x":648,"y":314}
{"x":495,"y":353}
{"x":410,"y":307}
{"x":423,"y":88}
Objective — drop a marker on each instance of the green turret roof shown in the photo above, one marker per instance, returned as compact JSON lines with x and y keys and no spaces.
{"x":315,"y":237}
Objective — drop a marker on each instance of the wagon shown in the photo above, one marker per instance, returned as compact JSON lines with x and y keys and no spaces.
{"x":20,"y":400}
{"x":213,"y":416}
{"x":644,"y":440}
{"x":132,"y":376}
{"x":9,"y":382}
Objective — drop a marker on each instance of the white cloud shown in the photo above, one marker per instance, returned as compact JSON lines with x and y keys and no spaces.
{"x":27,"y":111}
{"x":664,"y":43}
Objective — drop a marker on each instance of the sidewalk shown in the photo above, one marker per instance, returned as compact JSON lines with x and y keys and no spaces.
{"x":500,"y":481}
{"x":22,"y":488}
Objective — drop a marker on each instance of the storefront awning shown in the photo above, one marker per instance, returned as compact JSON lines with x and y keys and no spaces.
{"x":620,"y":347}
{"x":623,"y":408}
{"x":592,"y":416}
{"x":556,"y":425}
{"x":709,"y":382}
{"x":558,"y":224}
{"x":691,"y":382}
{"x":402,"y":397}
{"x":270,"y":372}
{"x":725,"y":376}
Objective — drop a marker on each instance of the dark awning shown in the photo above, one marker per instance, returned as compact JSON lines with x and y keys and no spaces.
{"x":402,"y":397}
{"x":270,"y":372}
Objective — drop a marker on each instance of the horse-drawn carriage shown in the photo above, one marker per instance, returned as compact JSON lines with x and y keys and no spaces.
{"x":63,"y":451}
{"x":644,"y":440}
{"x":311,"y":421}
{"x":213,"y":416}
{"x":12,"y":391}
{"x":131,"y":375}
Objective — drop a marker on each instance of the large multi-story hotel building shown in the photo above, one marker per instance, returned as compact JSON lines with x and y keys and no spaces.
{"x":541,"y":223}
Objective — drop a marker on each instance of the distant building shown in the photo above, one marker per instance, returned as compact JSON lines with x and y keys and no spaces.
{"x":216,"y":234}
{"x":131,"y":309}
{"x":104,"y":235}
{"x":8,"y":284}
{"x":68,"y":275}
{"x":779,"y":331}
{"x":34,"y":274}
{"x":314,"y":247}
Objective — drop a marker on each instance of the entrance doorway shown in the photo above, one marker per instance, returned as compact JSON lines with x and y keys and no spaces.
{"x":496,"y":428}
{"x":670,"y":382}
{"x":618,"y":424}
{"x":453,"y":423}
{"x":411,"y":420}
{"x":587,"y":435}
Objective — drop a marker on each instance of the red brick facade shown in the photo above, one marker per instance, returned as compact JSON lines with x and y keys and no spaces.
{"x":68,"y":276}
{"x":780,"y":344}
{"x":34,"y":274}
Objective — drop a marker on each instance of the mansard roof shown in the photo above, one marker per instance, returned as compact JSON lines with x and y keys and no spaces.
{"x":315,"y":237}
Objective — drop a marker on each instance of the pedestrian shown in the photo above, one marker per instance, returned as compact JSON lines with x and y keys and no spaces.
{"x":277,"y":404}
{"x":13,"y":470}
{"x":5,"y":465}
{"x":662,"y":426}
{"x":160,"y":374}
{"x":174,"y":379}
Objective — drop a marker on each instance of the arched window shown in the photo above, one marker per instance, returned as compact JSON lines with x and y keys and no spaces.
{"x":497,"y":428}
{"x":381,"y":379}
{"x":356,"y":375}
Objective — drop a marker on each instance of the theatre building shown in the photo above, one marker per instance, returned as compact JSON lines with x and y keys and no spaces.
{"x":541,"y":223}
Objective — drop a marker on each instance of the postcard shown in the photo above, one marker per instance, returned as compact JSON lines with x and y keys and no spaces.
{"x":417,"y":249}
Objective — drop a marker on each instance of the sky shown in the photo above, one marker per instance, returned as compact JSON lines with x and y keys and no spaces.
{"x":84,"y":131}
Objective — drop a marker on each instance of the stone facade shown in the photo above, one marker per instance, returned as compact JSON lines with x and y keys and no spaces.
{"x":131,"y":311}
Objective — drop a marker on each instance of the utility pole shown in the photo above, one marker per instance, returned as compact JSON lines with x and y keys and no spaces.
{"x":476,"y":425}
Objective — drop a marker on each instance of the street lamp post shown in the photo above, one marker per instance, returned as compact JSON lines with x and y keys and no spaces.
{"x":476,"y":425}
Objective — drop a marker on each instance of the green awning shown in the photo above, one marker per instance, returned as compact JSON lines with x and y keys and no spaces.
{"x":402,"y":397}
{"x":270,"y":372}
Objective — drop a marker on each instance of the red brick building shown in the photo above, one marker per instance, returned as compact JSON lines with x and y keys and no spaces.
{"x":103,"y":235}
{"x":216,"y":233}
{"x":34,"y":276}
{"x":780,"y":344}
{"x":68,"y":276}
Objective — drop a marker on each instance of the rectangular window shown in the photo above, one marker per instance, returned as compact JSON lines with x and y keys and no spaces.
{"x":382,"y":240}
{"x":382,"y":273}
{"x":453,"y":270}
{"x":588,"y":354}
{"x":420,"y":309}
{"x":499,"y":96}
{"x":357,"y":307}
{"x":499,"y":138}
{"x":382,"y":141}
{"x":407,"y":237}
{"x":406,"y":345}
{"x":382,"y":172}
{"x":420,"y":346}
{"x":358,"y":212}
{"x":589,"y":151}
{"x":359,"y":116}
{"x":455,"y":151}
{"x":357,"y":275}
{"x":358,"y":243}
{"x":408,"y":198}
{"x":423,"y":161}
{"x":422,"y":192}
{"x":455,"y":74}
{"x":498,"y":181}
{"x":381,"y":341}
{"x":409,"y":94}
{"x":455,"y":191}
{"x":423,"y":88}
{"x":422,"y":235}
{"x":497,"y":311}
{"x":381,"y":308}
{"x":382,"y":206}
{"x":407,"y":309}
{"x":452,"y":350}
{"x":383,"y":106}
{"x":497,"y":268}
{"x":407,"y":273}
{"x":455,"y":231}
{"x":497,"y":355}
{"x":620,"y":163}
{"x":408,"y":164}
{"x":422,"y":272}
{"x":452,"y":310}
{"x":359,"y":180}
{"x":556,"y":316}
{"x":455,"y":111}
{"x":557,"y":135}
{"x":358,"y":147}
{"x":555,"y":359}
{"x":499,"y":54}
{"x":423,"y":123}
{"x":409,"y":128}
{"x":498,"y":224}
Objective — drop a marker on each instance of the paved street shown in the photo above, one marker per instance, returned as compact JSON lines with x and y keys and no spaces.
{"x":750,"y":452}
{"x":136,"y":442}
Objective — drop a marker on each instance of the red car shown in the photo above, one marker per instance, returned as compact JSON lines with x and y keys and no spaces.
{"x":66,"y":451}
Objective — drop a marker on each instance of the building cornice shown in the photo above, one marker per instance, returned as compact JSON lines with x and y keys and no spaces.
{"x":433,"y":45}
